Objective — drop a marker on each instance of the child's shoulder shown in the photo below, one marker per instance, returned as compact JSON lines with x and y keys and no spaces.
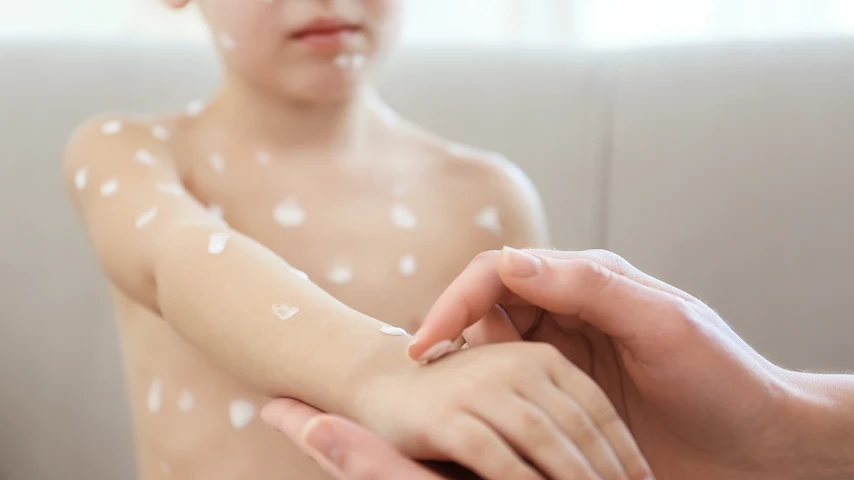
{"x":489,"y":171}
{"x":103,"y":139}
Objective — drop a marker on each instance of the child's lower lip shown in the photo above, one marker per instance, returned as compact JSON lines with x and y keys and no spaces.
{"x":333,"y":40}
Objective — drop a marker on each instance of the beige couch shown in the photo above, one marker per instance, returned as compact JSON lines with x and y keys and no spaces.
{"x":727,"y":170}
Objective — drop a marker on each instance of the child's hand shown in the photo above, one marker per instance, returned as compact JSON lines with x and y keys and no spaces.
{"x":505,"y":411}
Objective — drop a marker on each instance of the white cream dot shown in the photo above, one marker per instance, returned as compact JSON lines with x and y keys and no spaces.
{"x":340,"y":274}
{"x":215,"y":210}
{"x":289,"y":213}
{"x":241,"y":413}
{"x":146,"y":217}
{"x":112,"y":127}
{"x":145,"y":157}
{"x":408,"y":265}
{"x":186,"y":400}
{"x":342,"y":60}
{"x":109,"y":188}
{"x":155,"y":395}
{"x":489,"y":219}
{"x":195,"y":108}
{"x":263,"y":158}
{"x":393,"y":331}
{"x":403,"y":217}
{"x":285,"y":311}
{"x":217,"y":242}
{"x":226,"y":42}
{"x":160,"y":132}
{"x":298,"y":272}
{"x":217,"y":162}
{"x":81,"y":178}
{"x":171,"y":188}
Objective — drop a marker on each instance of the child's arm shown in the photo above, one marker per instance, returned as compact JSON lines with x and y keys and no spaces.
{"x":232,"y":298}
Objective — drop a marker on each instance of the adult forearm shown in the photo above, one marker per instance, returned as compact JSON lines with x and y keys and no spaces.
{"x":822,"y":414}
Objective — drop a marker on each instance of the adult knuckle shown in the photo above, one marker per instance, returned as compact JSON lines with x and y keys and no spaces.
{"x":585,"y":434}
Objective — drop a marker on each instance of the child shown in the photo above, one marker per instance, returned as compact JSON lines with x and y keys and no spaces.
{"x":295,"y":158}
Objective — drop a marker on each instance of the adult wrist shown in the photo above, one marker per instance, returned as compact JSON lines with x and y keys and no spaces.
{"x":819,"y":423}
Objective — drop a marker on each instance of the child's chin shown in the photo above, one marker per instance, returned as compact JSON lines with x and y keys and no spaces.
{"x":327,"y":86}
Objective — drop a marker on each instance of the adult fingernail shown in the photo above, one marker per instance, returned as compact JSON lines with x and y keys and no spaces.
{"x":436,"y":351}
{"x":520,"y":264}
{"x":322,"y":442}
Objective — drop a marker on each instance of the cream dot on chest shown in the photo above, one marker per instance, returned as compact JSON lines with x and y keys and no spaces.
{"x":402,"y":217}
{"x":160,"y":132}
{"x":489,"y":219}
{"x":217,"y":163}
{"x":340,"y":274}
{"x":110,"y":187}
{"x":217,"y":242}
{"x":146,"y":217}
{"x":145,"y":157}
{"x":195,"y":108}
{"x":155,"y":395}
{"x":111,"y":127}
{"x":241,"y":413}
{"x":186,"y":400}
{"x":289,"y":213}
{"x":81,"y":178}
{"x":171,"y":189}
{"x":408,"y":265}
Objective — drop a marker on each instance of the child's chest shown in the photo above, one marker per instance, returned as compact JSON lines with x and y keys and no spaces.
{"x":385,"y":243}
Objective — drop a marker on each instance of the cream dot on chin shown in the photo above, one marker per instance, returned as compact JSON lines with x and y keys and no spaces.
{"x":408,"y":265}
{"x":217,"y":242}
{"x":403,"y":217}
{"x":146,"y":217}
{"x":215,"y":210}
{"x":289,"y":213}
{"x":81,"y":178}
{"x":489,"y":219}
{"x":109,"y":188}
{"x":241,"y":413}
{"x":112,"y":127}
{"x":285,"y":311}
{"x":155,"y":395}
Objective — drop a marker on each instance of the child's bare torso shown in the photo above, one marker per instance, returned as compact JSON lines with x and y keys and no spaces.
{"x":384,"y":233}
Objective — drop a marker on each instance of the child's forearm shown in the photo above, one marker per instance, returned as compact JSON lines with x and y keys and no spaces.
{"x":279,"y":332}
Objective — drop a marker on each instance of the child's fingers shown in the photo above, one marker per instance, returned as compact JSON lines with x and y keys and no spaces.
{"x":288,"y":416}
{"x":531,"y":432}
{"x":595,"y":412}
{"x":474,"y":444}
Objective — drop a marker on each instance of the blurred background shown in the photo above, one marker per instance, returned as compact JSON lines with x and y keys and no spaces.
{"x":707,"y":141}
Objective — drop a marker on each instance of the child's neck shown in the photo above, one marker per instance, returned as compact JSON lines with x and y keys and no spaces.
{"x":330,"y":129}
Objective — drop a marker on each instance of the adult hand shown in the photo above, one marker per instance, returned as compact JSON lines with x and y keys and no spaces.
{"x":700,"y":402}
{"x":342,"y":448}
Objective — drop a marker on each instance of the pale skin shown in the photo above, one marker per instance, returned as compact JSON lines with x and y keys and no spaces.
{"x":311,"y":175}
{"x":701,"y":402}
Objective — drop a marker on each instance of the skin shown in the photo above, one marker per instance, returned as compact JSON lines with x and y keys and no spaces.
{"x":216,"y":321}
{"x":701,"y":403}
